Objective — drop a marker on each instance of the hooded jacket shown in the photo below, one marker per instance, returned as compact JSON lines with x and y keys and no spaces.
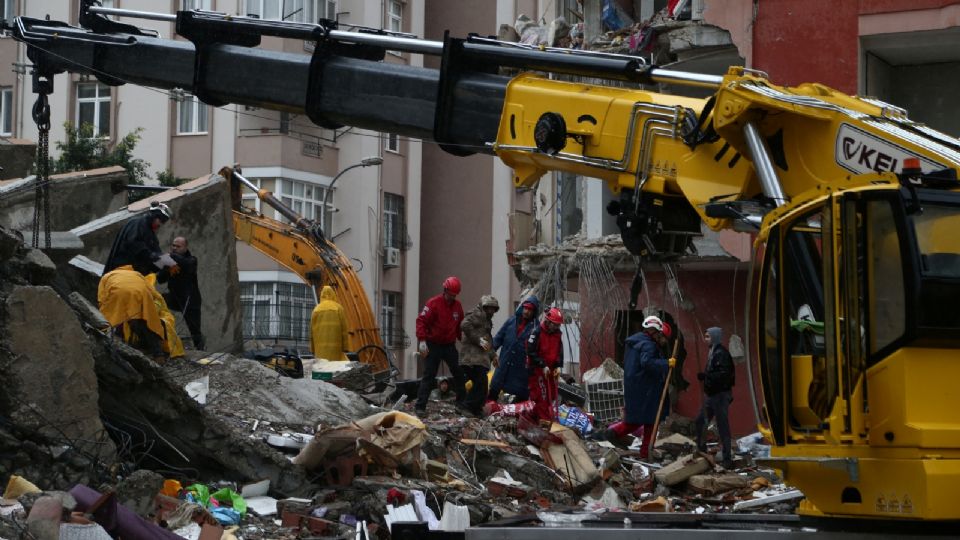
{"x":124,"y":295}
{"x":720,"y":374}
{"x":545,"y":348}
{"x":476,"y":326}
{"x":328,"y":327}
{"x":644,"y":373}
{"x":511,"y":340}
{"x":136,"y":244}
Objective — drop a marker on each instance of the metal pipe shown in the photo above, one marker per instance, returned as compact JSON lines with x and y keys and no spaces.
{"x":133,"y":14}
{"x":702,"y":80}
{"x":275,"y":203}
{"x":769,"y":181}
{"x":607,"y":63}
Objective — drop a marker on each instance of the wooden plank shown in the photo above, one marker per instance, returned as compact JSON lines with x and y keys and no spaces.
{"x":484,"y":442}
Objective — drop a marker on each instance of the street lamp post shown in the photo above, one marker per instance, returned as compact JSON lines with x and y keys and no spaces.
{"x":365,"y":162}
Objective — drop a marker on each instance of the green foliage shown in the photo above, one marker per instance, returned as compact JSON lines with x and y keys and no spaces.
{"x":166,"y":178}
{"x":82,"y":151}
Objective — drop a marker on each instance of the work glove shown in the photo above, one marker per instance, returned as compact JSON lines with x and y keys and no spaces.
{"x":173,"y":270}
{"x":484,"y":344}
{"x":424,"y":350}
{"x":672,"y":362}
{"x":556,"y":373}
{"x":701,"y":376}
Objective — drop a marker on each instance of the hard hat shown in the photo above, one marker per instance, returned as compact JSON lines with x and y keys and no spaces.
{"x":160,"y":210}
{"x":667,"y":330}
{"x":555,"y":316}
{"x":452,"y":285}
{"x":653,"y":322}
{"x":489,"y":301}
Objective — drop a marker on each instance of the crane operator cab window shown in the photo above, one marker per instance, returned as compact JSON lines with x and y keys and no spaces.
{"x":845,"y":284}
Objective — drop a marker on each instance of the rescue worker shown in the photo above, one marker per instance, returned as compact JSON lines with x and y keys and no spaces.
{"x":718,"y":380}
{"x":438,"y":329}
{"x":328,"y":327}
{"x":544,"y":360}
{"x":184,"y":291}
{"x":136,"y":244}
{"x":476,"y":351}
{"x":124,"y":297}
{"x":511,"y":375}
{"x":644,"y":375}
{"x":442,"y":392}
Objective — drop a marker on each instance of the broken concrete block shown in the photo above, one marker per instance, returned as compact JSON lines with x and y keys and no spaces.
{"x":681,"y":469}
{"x":570,"y":459}
{"x":43,"y":523}
{"x":712,"y":485}
{"x":138,"y":492}
{"x":36,"y":267}
{"x":52,"y":371}
{"x":676,"y":439}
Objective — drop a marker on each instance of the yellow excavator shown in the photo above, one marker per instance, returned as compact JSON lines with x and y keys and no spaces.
{"x":854,"y":331}
{"x":302,"y":248}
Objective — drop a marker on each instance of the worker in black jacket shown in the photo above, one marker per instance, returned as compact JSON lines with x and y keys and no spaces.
{"x":718,"y":380}
{"x":136,"y":244}
{"x":184,"y":291}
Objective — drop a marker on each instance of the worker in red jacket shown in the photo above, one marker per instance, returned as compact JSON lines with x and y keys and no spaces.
{"x":544,"y":361}
{"x":438,"y":329}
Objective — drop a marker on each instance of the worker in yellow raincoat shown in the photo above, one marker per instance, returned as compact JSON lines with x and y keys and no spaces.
{"x":127,"y":303}
{"x":328,"y":327}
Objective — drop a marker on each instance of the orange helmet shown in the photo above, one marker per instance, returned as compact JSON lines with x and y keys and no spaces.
{"x":452,"y":285}
{"x":555,"y":316}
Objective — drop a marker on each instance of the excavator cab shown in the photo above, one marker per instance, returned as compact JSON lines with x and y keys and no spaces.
{"x":856,"y":299}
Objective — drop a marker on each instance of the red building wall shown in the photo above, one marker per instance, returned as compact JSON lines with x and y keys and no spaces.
{"x":809,"y":41}
{"x":719,"y":298}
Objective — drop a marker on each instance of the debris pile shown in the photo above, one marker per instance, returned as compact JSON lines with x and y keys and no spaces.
{"x":102,"y":441}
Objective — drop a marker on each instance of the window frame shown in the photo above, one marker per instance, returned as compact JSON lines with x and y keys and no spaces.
{"x":6,"y":111}
{"x":311,"y":8}
{"x":292,"y":199}
{"x":199,"y":110}
{"x":394,"y":221}
{"x":98,"y":101}
{"x":391,"y":143}
{"x":391,"y":319}
{"x":394,"y":18}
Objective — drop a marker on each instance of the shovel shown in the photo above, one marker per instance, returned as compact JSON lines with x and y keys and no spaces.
{"x":663,"y":397}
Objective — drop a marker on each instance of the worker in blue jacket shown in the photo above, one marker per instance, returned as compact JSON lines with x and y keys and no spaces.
{"x":511,"y":373}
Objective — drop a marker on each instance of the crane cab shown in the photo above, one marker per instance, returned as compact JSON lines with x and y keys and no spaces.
{"x":857,"y":300}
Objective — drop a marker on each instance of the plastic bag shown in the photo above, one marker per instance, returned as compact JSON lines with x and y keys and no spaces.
{"x":574,"y":418}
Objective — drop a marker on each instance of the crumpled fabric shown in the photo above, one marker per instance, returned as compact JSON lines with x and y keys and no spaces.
{"x":171,"y":343}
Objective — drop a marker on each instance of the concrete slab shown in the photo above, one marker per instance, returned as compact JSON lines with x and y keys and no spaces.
{"x":75,"y":198}
{"x":681,"y":469}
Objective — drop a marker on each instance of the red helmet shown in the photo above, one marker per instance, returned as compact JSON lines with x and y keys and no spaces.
{"x":667,"y":330}
{"x":452,"y":285}
{"x":555,"y":316}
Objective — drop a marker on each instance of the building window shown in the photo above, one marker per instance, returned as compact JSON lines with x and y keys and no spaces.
{"x":394,"y":224}
{"x":192,"y":114}
{"x":190,"y":5}
{"x":276,"y":310}
{"x":6,"y":111}
{"x":392,"y":143}
{"x":391,"y":323}
{"x":309,"y":11}
{"x":395,"y":16}
{"x":93,"y":107}
{"x":307,"y":200}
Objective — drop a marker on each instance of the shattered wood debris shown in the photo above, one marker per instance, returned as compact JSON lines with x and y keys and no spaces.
{"x":264,"y":456}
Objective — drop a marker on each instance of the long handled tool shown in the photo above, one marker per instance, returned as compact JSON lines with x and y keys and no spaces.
{"x":663,"y":396}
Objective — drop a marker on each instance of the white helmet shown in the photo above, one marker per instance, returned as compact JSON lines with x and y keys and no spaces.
{"x":653,"y":322}
{"x":160,"y":210}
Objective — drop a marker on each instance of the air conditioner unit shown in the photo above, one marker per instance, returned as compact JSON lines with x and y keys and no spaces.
{"x":391,"y":257}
